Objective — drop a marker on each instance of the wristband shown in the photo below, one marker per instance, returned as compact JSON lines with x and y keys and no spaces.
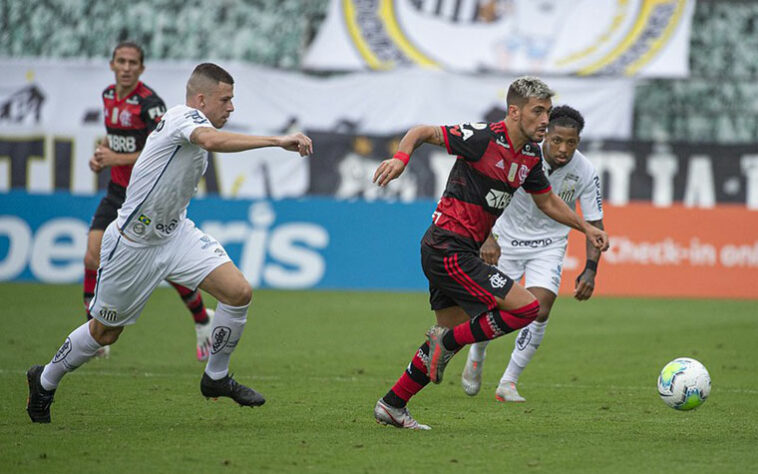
{"x":404,"y":157}
{"x":591,"y":265}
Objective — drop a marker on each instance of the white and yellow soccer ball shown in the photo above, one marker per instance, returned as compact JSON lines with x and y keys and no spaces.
{"x":684,"y":384}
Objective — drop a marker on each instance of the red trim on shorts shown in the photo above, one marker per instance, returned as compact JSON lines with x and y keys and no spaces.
{"x":476,"y":285}
{"x":455,"y":271}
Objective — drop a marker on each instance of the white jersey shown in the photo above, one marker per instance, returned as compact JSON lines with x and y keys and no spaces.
{"x":164,"y":179}
{"x":523,"y":228}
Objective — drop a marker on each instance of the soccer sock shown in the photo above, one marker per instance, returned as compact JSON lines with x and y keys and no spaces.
{"x":90,"y":279}
{"x":490,"y":325}
{"x":478,"y":351}
{"x":194,"y":302}
{"x":228,"y":325}
{"x":525,"y":347}
{"x":412,"y":381}
{"x":78,"y":348}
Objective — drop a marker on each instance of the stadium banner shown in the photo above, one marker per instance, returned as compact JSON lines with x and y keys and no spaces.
{"x":332,"y":244}
{"x":674,"y":251}
{"x":644,"y":38}
{"x":694,"y":174}
{"x":287,"y":244}
{"x":51,"y":117}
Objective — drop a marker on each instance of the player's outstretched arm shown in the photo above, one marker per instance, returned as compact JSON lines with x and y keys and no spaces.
{"x":556,"y":209}
{"x":227,"y":142}
{"x":393,"y":167}
{"x":585,"y":282}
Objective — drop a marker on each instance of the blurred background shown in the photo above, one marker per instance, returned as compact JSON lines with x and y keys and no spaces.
{"x":668,"y":88}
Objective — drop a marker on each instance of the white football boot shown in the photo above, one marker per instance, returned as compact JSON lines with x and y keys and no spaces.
{"x":506,"y":392}
{"x":103,"y":353}
{"x":399,"y":417}
{"x":203,"y":332}
{"x":471,"y":378}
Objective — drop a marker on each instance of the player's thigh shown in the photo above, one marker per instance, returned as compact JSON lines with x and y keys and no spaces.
{"x":202,"y":262}
{"x":544,"y":269}
{"x":127,"y":276}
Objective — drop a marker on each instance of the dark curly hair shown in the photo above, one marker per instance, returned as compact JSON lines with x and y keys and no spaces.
{"x":565,"y":116}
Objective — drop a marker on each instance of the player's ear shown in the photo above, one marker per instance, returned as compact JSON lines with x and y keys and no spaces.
{"x":514,"y":111}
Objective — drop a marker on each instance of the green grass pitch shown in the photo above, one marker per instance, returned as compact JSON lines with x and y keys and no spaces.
{"x":323,"y":359}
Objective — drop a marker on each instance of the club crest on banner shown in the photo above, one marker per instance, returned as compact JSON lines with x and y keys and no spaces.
{"x":621,"y":37}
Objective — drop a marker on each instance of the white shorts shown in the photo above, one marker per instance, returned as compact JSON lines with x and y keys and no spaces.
{"x":129,"y":271}
{"x":541,"y":268}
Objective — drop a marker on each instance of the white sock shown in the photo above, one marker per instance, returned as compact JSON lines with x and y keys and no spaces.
{"x":478,"y":351}
{"x":228,"y":324}
{"x":527,"y":342}
{"x":79,"y":347}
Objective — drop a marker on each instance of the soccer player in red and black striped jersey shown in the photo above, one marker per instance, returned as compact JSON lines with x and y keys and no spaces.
{"x":132,"y":110}
{"x":472,"y":300}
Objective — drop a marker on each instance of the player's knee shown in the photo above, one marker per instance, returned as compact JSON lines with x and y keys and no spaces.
{"x":542,"y":314}
{"x":242,"y":294}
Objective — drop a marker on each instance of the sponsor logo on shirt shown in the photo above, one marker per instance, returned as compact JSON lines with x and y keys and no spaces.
{"x":531,"y":243}
{"x":498,"y":199}
{"x":121,"y":144}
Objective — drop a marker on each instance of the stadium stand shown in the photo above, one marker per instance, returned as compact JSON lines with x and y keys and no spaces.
{"x":715,"y":104}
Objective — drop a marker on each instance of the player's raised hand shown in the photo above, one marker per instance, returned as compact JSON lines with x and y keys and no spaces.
{"x":298,"y":142}
{"x":598,"y":238}
{"x":388,"y":170}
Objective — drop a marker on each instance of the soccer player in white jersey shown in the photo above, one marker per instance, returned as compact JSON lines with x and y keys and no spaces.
{"x":526,"y":243}
{"x":153,"y":240}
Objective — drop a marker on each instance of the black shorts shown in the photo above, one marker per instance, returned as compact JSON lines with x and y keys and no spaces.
{"x":461,"y":278}
{"x":108,"y":209}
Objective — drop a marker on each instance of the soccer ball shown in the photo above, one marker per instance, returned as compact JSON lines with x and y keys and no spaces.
{"x":684,"y":384}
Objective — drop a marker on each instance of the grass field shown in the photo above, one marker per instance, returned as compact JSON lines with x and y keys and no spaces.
{"x":323,"y":359}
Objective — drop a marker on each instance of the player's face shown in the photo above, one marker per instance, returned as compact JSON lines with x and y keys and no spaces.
{"x":127,"y":67}
{"x":217,"y":105}
{"x":533,"y":118}
{"x":560,"y":145}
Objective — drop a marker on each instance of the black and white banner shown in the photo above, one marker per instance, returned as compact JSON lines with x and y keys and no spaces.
{"x":51,"y":117}
{"x":648,"y":38}
{"x":696,"y":175}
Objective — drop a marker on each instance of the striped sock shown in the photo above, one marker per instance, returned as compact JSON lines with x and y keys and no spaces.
{"x":490,"y":325}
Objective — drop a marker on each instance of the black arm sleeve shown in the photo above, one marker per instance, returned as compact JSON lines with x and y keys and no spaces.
{"x":153,"y":109}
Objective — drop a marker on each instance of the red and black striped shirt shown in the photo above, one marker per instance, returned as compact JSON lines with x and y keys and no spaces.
{"x":128,"y":121}
{"x":480,"y":186}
